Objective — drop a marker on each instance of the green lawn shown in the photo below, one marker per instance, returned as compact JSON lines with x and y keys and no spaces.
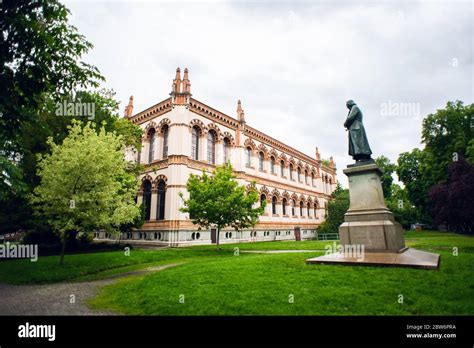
{"x":219,"y":283}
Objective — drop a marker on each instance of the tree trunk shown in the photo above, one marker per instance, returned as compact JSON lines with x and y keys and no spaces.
{"x":217,"y":238}
{"x":63,"y":248}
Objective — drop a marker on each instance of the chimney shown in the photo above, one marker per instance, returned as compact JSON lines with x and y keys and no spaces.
{"x":129,"y":108}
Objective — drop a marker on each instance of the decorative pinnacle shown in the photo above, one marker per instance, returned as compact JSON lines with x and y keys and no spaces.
{"x":240,"y":112}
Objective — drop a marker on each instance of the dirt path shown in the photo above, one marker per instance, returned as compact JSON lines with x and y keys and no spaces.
{"x":55,"y":299}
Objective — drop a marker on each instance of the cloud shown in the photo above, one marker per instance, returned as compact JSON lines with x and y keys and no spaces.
{"x":293,"y":65}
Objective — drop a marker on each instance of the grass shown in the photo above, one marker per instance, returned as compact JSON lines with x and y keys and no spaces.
{"x":219,"y":283}
{"x":79,"y":267}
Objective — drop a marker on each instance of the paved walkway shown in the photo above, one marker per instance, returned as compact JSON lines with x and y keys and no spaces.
{"x":280,"y":251}
{"x":54,"y":299}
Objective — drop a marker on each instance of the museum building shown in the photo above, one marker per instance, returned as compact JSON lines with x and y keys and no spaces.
{"x":183,"y":136}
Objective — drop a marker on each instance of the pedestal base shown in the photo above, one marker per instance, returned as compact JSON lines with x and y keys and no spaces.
{"x":407,"y":258}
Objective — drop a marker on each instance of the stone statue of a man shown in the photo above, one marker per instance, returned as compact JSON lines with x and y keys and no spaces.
{"x":359,"y":147}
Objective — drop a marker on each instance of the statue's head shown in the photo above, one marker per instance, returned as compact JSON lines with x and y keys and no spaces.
{"x":350,"y":104}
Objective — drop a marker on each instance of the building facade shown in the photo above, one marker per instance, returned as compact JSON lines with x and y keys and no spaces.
{"x":182,"y":135}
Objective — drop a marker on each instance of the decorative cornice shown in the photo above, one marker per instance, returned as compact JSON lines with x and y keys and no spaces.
{"x":152,"y":112}
{"x":213,"y":114}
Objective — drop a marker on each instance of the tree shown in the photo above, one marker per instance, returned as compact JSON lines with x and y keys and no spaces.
{"x":219,"y":200}
{"x":34,"y":139}
{"x":403,"y":210}
{"x":453,"y":200}
{"x":388,"y":169}
{"x":409,"y":171}
{"x":85,"y":184}
{"x":337,"y":207}
{"x":40,"y":60}
{"x":447,"y":136}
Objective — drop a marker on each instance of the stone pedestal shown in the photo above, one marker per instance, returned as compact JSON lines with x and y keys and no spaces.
{"x":369,"y":226}
{"x":368,"y":222}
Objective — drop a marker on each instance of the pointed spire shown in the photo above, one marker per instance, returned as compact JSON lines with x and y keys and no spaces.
{"x":186,"y":82}
{"x":129,"y":108}
{"x":177,"y":82}
{"x":318,"y":156}
{"x":240,"y":112}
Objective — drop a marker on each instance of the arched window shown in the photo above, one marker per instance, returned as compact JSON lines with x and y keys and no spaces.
{"x":316,"y":209}
{"x":147,"y":198}
{"x":312,"y":179}
{"x":299,"y":174}
{"x":306,"y":177}
{"x":291,"y":171}
{"x":308,"y":208}
{"x":293,"y":203}
{"x":160,"y":209}
{"x":211,"y":147}
{"x":272,"y":164}
{"x":195,"y":143}
{"x":283,"y":205}
{"x":260,"y":161}
{"x":226,"y":150}
{"x":301,"y":208}
{"x":274,"y":205}
{"x":282,"y":168}
{"x":151,"y":150}
{"x":263,"y":198}
{"x":165,"y":131}
{"x":248,"y":153}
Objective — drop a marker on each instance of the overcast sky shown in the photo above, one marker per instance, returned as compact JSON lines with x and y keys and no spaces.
{"x":293,"y":64}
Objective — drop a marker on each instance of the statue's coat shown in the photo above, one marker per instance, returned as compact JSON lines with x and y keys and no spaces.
{"x":358,"y":143}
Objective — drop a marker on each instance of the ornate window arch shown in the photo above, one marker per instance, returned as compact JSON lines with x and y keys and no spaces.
{"x":291,"y":171}
{"x":215,"y":128}
{"x":272,"y":164}
{"x":249,"y":143}
{"x":149,"y":126}
{"x":282,"y":168}
{"x":284,"y":202}
{"x":230,"y":137}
